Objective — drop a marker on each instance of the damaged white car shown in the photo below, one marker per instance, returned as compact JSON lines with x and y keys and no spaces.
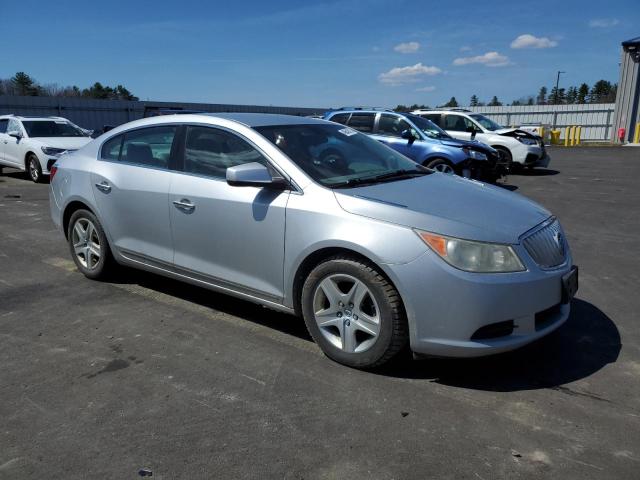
{"x":517,"y":147}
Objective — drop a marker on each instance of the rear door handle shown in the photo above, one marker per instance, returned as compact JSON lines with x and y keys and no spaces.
{"x":184,"y":205}
{"x":104,"y":187}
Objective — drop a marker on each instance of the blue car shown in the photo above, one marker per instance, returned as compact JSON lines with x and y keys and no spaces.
{"x":424,"y":142}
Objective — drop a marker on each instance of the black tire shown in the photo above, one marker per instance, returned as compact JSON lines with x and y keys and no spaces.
{"x":33,"y":168}
{"x":393,"y":330}
{"x":101,"y":269}
{"x":439,"y":162}
{"x":506,"y":158}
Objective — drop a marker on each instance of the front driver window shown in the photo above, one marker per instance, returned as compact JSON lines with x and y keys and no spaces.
{"x":392,"y":125}
{"x":210,"y":151}
{"x":457,"y":123}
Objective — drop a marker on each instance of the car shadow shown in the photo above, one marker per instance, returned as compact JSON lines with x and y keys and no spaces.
{"x":506,"y":186}
{"x":587,"y":342}
{"x":19,"y":175}
{"x":227,"y":304}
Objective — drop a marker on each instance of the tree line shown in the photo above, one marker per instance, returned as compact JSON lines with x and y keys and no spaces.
{"x":602,"y":91}
{"x":23,"y":84}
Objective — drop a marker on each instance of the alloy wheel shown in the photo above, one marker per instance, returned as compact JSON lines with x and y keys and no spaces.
{"x":346,"y":313}
{"x":33,"y":170}
{"x":444,"y":168}
{"x":86,"y":243}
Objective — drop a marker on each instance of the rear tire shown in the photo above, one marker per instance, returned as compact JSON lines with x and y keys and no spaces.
{"x":353,"y":312}
{"x":89,"y":246}
{"x":34,"y":170}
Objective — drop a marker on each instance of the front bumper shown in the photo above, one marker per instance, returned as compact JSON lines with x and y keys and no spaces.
{"x":453,"y":313}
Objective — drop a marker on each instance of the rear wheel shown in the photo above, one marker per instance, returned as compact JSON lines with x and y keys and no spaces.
{"x":353,"y":313}
{"x":34,"y":170}
{"x":88,"y":245}
{"x":441,"y":165}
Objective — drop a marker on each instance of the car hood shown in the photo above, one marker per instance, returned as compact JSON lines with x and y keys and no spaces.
{"x":473,"y":144}
{"x":68,"y":143}
{"x":515,"y":132}
{"x":447,"y":204}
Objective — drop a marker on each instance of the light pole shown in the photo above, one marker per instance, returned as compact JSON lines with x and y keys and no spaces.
{"x":555,"y":100}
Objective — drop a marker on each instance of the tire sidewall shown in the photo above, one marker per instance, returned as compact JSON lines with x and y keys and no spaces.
{"x":33,"y":159}
{"x":100,"y":268}
{"x":371,"y":280}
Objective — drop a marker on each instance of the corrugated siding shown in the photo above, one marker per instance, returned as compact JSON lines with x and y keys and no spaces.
{"x":596,"y":119}
{"x":95,"y":114}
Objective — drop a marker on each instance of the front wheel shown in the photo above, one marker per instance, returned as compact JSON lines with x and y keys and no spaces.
{"x":353,"y":312}
{"x":34,"y":169}
{"x":88,"y":245}
{"x":441,"y":165}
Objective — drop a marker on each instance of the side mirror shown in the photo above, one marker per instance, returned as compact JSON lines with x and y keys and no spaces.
{"x":409,"y":135}
{"x":254,"y":174}
{"x":15,"y":134}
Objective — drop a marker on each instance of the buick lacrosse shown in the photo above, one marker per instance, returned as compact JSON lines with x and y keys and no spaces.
{"x":313,"y":218}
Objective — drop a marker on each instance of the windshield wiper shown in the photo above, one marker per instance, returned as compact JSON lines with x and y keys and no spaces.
{"x":393,"y":175}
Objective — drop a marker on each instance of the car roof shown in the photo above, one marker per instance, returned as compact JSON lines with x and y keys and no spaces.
{"x":364,"y":110}
{"x":27,"y":117}
{"x":264,"y":119}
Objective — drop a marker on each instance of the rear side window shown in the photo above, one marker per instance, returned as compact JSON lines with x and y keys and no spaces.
{"x":340,"y":118}
{"x":3,"y":125}
{"x":362,"y":122}
{"x":149,"y":147}
{"x":457,"y":123}
{"x":111,"y":148}
{"x":210,"y":151}
{"x":434,"y":117}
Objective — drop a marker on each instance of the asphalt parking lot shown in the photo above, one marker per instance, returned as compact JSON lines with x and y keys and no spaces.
{"x":99,"y":380}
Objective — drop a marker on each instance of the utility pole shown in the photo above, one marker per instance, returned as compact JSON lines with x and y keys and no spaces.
{"x":555,"y":100}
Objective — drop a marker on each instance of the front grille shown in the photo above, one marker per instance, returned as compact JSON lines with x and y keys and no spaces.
{"x":547,"y":246}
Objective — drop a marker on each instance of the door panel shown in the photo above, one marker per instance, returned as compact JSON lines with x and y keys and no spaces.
{"x":456,"y":126}
{"x":14,"y":148}
{"x":133,"y":203}
{"x":233,"y":234}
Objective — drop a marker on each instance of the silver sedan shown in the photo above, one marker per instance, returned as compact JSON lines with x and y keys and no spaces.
{"x":313,"y":218}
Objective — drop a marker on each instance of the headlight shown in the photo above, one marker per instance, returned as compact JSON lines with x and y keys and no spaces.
{"x":473,"y":256}
{"x":477,"y":155}
{"x":527,"y":141}
{"x":54,"y":152}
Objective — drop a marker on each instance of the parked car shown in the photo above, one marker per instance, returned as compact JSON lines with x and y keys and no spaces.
{"x":33,"y":144}
{"x":518,"y":147}
{"x":373,"y":250}
{"x":423,"y":142}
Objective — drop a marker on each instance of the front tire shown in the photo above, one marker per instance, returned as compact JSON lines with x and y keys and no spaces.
{"x":353,"y":312}
{"x":89,"y":246}
{"x":34,"y":170}
{"x":441,"y":165}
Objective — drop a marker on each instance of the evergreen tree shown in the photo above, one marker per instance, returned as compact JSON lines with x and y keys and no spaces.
{"x":494,"y":102}
{"x":542,"y":96}
{"x":474,"y":101}
{"x":530,"y":101}
{"x":23,"y":84}
{"x":572,"y":95}
{"x":451,"y":103}
{"x":557,"y":96}
{"x":601,"y":92}
{"x":583,"y":93}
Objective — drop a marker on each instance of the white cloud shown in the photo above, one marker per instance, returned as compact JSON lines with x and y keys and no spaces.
{"x":529,"y":41}
{"x":603,"y":22}
{"x":409,"y":47}
{"x":429,"y":88}
{"x":490,"y":59}
{"x":410,"y":74}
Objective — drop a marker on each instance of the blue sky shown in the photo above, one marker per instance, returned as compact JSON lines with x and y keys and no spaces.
{"x":318,"y":54}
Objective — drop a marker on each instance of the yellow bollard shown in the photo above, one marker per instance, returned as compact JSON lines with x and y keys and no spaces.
{"x":541,"y":133}
{"x":578,"y":134}
{"x":572,"y":134}
{"x":555,"y":137}
{"x":636,"y":136}
{"x":566,"y":137}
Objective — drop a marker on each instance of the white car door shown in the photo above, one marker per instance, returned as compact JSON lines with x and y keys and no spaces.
{"x":13,"y":146}
{"x":4,"y":138}
{"x":458,"y":126}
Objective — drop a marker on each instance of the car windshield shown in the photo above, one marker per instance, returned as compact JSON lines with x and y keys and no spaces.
{"x":486,"y":122}
{"x":338,"y":156}
{"x":51,"y":128}
{"x":429,"y":128}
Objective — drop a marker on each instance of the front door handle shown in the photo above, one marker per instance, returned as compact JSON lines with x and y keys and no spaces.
{"x":184,"y":205}
{"x":104,"y":187}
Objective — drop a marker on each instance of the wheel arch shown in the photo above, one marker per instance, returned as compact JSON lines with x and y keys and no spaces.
{"x":316,"y":257}
{"x":69,"y":210}
{"x":26,"y":158}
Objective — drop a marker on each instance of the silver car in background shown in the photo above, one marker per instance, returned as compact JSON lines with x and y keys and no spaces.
{"x":316,"y":219}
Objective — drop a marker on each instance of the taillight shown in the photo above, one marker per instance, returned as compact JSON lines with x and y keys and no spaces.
{"x":52,"y":172}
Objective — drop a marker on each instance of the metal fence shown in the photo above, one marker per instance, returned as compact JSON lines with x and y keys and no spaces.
{"x":95,"y":114}
{"x":596,"y":119}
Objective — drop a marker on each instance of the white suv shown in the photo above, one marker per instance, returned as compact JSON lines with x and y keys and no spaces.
{"x":33,"y":144}
{"x":517,"y":147}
